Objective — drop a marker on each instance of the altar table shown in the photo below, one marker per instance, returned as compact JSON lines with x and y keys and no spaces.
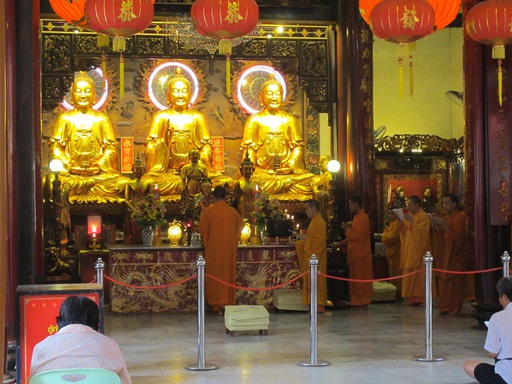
{"x":257,"y":266}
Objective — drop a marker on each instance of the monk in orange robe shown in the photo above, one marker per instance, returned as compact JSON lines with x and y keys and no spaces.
{"x":313,"y":243}
{"x":391,"y":239}
{"x":452,"y":228}
{"x":220,"y":227}
{"x":416,"y":229}
{"x":359,"y":254}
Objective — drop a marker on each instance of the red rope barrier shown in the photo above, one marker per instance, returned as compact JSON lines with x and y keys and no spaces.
{"x":292,"y":280}
{"x":372,"y":280}
{"x":147,"y":286}
{"x":467,"y":272}
{"x":257,"y":289}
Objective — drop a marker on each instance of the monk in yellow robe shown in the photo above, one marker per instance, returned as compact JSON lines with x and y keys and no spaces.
{"x":359,"y":254}
{"x":314,"y":242}
{"x":416,"y":229}
{"x":452,"y":227}
{"x":391,"y":239}
{"x":220,"y":227}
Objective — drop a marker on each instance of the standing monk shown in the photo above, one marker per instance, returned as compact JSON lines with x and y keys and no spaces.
{"x":220,"y":226}
{"x":391,"y":239}
{"x":416,"y":229}
{"x":452,"y":228}
{"x":313,"y":243}
{"x":359,"y":254}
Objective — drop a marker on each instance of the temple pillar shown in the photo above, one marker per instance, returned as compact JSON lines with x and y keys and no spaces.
{"x":484,"y":118}
{"x":27,"y":190}
{"x":355,"y":144}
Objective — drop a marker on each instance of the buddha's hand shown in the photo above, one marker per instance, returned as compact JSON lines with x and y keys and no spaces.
{"x":283,"y":171}
{"x":89,"y":171}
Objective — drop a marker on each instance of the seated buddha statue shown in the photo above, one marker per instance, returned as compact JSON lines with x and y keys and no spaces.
{"x":174,"y":132}
{"x":273,"y":141}
{"x":84,"y":140}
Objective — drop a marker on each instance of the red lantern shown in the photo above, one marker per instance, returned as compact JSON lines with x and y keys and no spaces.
{"x":224,"y":20}
{"x":70,"y":10}
{"x":489,"y":22}
{"x":119,"y":18}
{"x":445,"y":11}
{"x":402,"y":22}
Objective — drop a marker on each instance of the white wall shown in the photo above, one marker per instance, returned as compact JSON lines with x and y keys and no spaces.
{"x":437,"y":68}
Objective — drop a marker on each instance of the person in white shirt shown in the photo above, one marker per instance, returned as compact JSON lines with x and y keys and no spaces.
{"x":78,"y":344}
{"x":498,"y":342}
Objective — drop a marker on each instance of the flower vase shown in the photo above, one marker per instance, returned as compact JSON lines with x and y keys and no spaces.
{"x":255,"y":236}
{"x":147,"y":236}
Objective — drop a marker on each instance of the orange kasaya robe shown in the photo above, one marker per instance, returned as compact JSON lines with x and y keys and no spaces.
{"x":391,"y":239}
{"x":220,"y":226}
{"x":451,"y":287}
{"x":416,"y":245}
{"x":359,"y":258}
{"x":315,"y":243}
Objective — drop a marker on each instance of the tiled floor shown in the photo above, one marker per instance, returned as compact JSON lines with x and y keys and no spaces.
{"x":374,"y":346}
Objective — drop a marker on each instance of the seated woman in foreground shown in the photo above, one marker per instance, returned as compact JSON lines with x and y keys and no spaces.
{"x":78,"y":344}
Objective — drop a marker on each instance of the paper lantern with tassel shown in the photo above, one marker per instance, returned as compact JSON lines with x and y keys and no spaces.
{"x":445,"y":11}
{"x":70,"y":10}
{"x":224,"y":20}
{"x":402,"y":22}
{"x":490,"y":22}
{"x":119,"y":19}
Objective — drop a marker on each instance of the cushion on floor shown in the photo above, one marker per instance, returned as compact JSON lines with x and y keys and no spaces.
{"x":246,"y":317}
{"x":383,"y":291}
{"x":289,"y":300}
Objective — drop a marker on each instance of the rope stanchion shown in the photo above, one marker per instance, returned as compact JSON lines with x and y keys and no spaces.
{"x":505,"y":259}
{"x":201,"y":366}
{"x":428,"y":259}
{"x":100,"y":269}
{"x":313,"y":291}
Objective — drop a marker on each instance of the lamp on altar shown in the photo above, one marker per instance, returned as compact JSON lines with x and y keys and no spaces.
{"x":333,"y":166}
{"x":94,"y":230}
{"x":246,"y":234}
{"x":174,"y":233}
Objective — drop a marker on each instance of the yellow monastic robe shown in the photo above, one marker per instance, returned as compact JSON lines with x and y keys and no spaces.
{"x":417,"y":243}
{"x":359,"y":258}
{"x":220,"y":227}
{"x":391,"y":239}
{"x":315,"y":243}
{"x":451,"y":287}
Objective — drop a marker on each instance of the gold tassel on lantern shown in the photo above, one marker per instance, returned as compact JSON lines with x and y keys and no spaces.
{"x":412,"y":48}
{"x":121,"y":76}
{"x":228,"y":74}
{"x":498,"y":52}
{"x":401,"y":54}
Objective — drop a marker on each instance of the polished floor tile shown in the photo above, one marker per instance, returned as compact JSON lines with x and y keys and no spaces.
{"x":374,"y":346}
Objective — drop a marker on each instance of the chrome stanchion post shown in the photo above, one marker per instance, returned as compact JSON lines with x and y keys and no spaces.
{"x":505,"y":259}
{"x":201,"y":366}
{"x":313,"y":309}
{"x":100,"y":268}
{"x":428,"y":259}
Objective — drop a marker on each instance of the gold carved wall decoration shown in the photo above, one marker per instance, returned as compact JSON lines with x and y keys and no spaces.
{"x":419,"y":144}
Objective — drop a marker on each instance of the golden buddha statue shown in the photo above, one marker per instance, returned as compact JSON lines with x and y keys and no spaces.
{"x":174,"y":132}
{"x":193,"y":175}
{"x":83,"y":139}
{"x":273,"y":141}
{"x":245,"y":189}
